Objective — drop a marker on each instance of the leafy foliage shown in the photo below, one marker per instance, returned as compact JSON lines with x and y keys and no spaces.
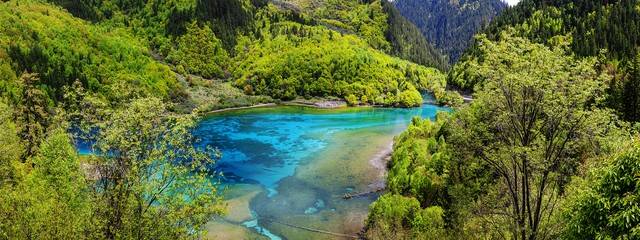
{"x":398,"y":217}
{"x":45,"y":192}
{"x":200,"y":52}
{"x":418,"y":163}
{"x":11,"y":148}
{"x":154,"y":184}
{"x":377,"y":22}
{"x":295,"y":60}
{"x":606,"y":29}
{"x":52,"y":200}
{"x":624,"y":92}
{"x":147,"y":181}
{"x":499,"y":167}
{"x":418,"y":185}
{"x":607,"y":205}
{"x":41,"y":39}
{"x":366,"y":19}
{"x":534,"y":101}
{"x":33,"y":112}
{"x":593,"y":25}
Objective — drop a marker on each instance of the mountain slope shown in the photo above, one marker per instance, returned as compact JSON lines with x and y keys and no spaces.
{"x":609,"y":30}
{"x":62,"y":49}
{"x":232,"y":40}
{"x":407,"y":41}
{"x":542,"y":71}
{"x":378,"y":22}
{"x":592,"y":25}
{"x":450,"y":25}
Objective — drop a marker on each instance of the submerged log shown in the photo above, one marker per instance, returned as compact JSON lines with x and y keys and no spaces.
{"x":361,"y":194}
{"x":312,"y":229}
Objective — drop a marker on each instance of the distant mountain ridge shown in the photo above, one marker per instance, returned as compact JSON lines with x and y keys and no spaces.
{"x":450,"y":24}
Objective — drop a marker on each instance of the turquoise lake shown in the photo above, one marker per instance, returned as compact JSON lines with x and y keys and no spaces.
{"x":291,"y":165}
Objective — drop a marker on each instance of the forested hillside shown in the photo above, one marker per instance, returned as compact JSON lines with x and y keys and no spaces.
{"x":132,"y":78}
{"x":377,"y":22}
{"x":212,"y":39}
{"x":608,"y":30}
{"x":548,"y":147}
{"x":450,"y":25}
{"x":62,"y":76}
{"x":407,"y":41}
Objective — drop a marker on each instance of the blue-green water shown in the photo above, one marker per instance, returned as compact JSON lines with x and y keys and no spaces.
{"x":291,"y":164}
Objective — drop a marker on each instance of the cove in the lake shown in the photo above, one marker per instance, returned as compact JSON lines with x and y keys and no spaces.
{"x":291,"y":165}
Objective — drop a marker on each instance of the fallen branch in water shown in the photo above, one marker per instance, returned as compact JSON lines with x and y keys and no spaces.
{"x":360,"y":194}
{"x":312,"y":229}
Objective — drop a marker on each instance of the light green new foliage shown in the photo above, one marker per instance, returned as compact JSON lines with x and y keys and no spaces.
{"x":397,"y":217}
{"x":10,"y":145}
{"x":535,"y":102}
{"x":295,"y":60}
{"x":155,"y":182}
{"x":418,"y":163}
{"x":352,"y":100}
{"x":509,"y":155}
{"x":53,"y":200}
{"x":410,"y":98}
{"x":368,"y":20}
{"x":200,"y":52}
{"x":45,"y":39}
{"x":606,"y":205}
{"x":417,"y":178}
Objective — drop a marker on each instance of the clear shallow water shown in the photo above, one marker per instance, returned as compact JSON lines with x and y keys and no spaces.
{"x":291,"y":165}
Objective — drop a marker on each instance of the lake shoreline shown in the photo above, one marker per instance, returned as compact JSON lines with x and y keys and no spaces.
{"x":240,"y":108}
{"x":380,"y":162}
{"x":307,"y":159}
{"x":328,"y":104}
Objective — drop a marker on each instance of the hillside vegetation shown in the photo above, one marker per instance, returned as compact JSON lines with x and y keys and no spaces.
{"x":61,"y":49}
{"x":450,"y":25}
{"x":230,"y":40}
{"x":548,"y":147}
{"x":294,"y":60}
{"x":131,"y":78}
{"x":378,"y":23}
{"x":607,"y":30}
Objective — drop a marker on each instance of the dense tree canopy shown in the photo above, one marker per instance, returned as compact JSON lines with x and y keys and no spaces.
{"x":297,"y":60}
{"x":199,"y":52}
{"x":533,"y":101}
{"x":499,"y":167}
{"x":593,"y":25}
{"x":407,"y":42}
{"x":62,"y":75}
{"x":606,"y":204}
{"x":61,"y":49}
{"x":146,"y":181}
{"x":450,"y":25}
{"x":514,"y":163}
{"x":305,"y":30}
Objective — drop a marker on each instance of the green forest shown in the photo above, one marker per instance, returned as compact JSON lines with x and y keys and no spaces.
{"x":134,"y":78}
{"x":548,"y":147}
{"x":545,"y":145}
{"x":450,"y":25}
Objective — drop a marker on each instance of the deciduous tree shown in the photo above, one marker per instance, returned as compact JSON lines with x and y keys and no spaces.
{"x":534,"y":103}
